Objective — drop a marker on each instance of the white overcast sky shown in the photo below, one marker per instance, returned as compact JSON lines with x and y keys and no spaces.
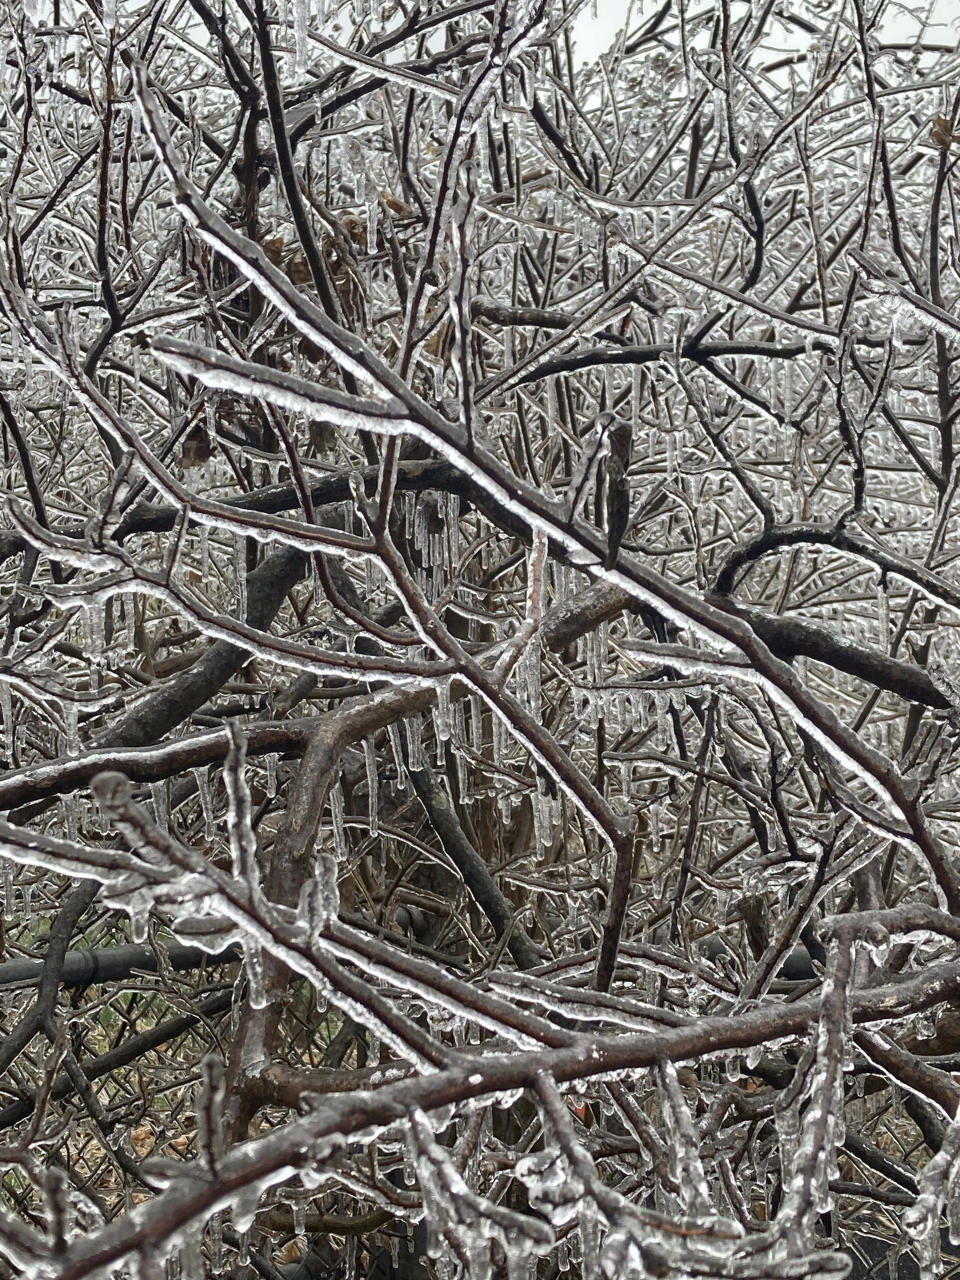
{"x":594,"y":35}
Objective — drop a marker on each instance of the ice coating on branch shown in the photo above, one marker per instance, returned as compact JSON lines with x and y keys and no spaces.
{"x":210,"y":1137}
{"x":552,"y":1186}
{"x":939,"y":1187}
{"x":590,"y":1239}
{"x":319,"y":897}
{"x":161,"y":808}
{"x":452,"y":1207}
{"x":686,"y":1165}
{"x":253,"y":968}
{"x":622,"y":1254}
{"x":648,"y":739}
{"x":811,"y":1109}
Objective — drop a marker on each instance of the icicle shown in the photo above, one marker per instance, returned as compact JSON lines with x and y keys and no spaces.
{"x":476,"y":724}
{"x":9,"y":728}
{"x":531,"y":678}
{"x":414,"y":744}
{"x":420,"y":528}
{"x":71,"y":814}
{"x":953,"y":1205}
{"x":542,"y":815}
{"x":373,"y":797}
{"x":626,"y":778}
{"x":206,"y":804}
{"x":215,"y":1243}
{"x":442,"y":719}
{"x":596,"y":647}
{"x":671,"y":447}
{"x":205,"y":552}
{"x":373,"y":209}
{"x":271,"y":770}
{"x":129,"y":626}
{"x":539,"y":835}
{"x":884,"y":616}
{"x":501,"y":742}
{"x":661,"y":729}
{"x":9,"y":892}
{"x":137,"y":907}
{"x":552,"y":410}
{"x":521,"y":1266}
{"x":614,"y":713}
{"x":505,"y":807}
{"x":240,"y":568}
{"x":338,"y":821}
{"x":393,"y":737}
{"x":93,"y":640}
{"x":300,"y":18}
{"x":243,"y":1248}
